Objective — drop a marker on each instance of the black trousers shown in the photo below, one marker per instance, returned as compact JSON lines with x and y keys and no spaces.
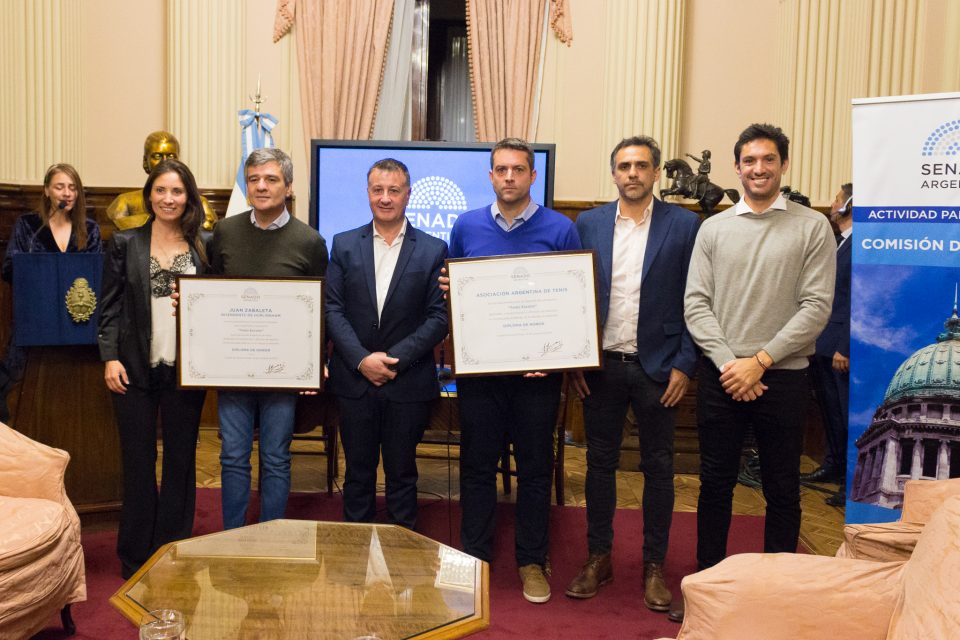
{"x":612,"y":389}
{"x":833,"y":391}
{"x":777,"y":419}
{"x":525,"y":409}
{"x":371,"y":425}
{"x":150,"y":518}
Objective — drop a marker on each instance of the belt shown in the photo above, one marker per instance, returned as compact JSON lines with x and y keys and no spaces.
{"x":621,"y":356}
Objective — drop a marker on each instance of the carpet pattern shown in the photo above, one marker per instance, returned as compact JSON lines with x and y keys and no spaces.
{"x":617,"y":612}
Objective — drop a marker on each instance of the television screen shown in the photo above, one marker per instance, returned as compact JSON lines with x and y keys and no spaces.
{"x":446,"y":180}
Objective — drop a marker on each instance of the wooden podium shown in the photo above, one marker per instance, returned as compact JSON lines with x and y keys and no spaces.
{"x":62,"y":400}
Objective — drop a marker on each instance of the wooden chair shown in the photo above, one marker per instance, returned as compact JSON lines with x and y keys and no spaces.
{"x":318,"y":420}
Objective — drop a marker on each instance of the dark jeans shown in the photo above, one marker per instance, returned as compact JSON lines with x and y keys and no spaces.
{"x":833,"y":391}
{"x":612,"y":389}
{"x":371,"y":425}
{"x":777,"y":419}
{"x":525,"y":409}
{"x":148,"y":518}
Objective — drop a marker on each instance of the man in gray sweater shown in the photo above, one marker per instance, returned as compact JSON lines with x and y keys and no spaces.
{"x":758,"y":295}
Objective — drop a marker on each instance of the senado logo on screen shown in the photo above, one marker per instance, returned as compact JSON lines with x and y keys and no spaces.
{"x":944,"y":141}
{"x":435,"y":203}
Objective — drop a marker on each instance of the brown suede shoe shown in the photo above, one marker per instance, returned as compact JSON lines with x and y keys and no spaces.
{"x":597,"y":572}
{"x":655,"y":593}
{"x":535,"y":586}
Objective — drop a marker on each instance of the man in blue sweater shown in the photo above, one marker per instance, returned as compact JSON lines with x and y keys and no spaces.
{"x":521,"y":407}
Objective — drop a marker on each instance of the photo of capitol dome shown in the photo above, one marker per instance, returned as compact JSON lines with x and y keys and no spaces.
{"x":915,"y":432}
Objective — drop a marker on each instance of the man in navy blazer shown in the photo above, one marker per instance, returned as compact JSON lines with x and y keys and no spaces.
{"x":644,"y":247}
{"x":384,"y":315}
{"x":830,"y":365}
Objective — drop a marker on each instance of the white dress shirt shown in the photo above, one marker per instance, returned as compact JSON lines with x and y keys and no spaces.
{"x":780,"y":204}
{"x":385,"y":262}
{"x":629,"y":248}
{"x":845,"y":234}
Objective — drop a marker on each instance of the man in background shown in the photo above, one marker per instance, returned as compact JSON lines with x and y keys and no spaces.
{"x":830,"y":365}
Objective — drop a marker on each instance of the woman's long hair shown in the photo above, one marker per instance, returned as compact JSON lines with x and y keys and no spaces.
{"x":78,"y":215}
{"x":192,"y":217}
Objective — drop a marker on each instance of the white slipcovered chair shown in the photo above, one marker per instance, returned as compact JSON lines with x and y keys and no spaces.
{"x":887,"y":541}
{"x":794,"y":596}
{"x":41,"y":560}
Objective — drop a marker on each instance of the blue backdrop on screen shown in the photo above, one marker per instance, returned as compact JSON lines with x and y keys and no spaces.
{"x":445,"y":182}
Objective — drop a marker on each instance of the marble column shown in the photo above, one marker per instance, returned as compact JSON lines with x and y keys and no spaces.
{"x":889,"y":479}
{"x":857,"y":489}
{"x":831,"y":51}
{"x":642,"y":76}
{"x":943,"y":460}
{"x":916,"y":466}
{"x":41,"y":124}
{"x":867,"y":480}
{"x":205,"y":67}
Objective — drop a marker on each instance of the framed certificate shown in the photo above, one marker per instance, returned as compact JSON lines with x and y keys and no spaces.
{"x":250,"y":333}
{"x":520,"y":313}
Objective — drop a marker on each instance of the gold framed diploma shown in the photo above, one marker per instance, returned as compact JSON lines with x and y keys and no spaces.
{"x":250,"y":333}
{"x":520,"y":313}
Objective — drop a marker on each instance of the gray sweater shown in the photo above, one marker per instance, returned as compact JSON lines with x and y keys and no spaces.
{"x":761,"y":282}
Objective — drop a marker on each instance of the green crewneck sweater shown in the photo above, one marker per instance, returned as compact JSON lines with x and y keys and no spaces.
{"x":240,"y":248}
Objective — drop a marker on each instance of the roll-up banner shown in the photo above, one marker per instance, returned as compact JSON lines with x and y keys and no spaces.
{"x":905,"y":330}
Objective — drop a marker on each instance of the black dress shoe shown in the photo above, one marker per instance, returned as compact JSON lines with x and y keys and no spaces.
{"x":823,"y":474}
{"x":676,"y":610}
{"x":838,"y":499}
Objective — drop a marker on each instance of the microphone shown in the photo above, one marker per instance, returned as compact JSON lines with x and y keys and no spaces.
{"x":62,"y":205}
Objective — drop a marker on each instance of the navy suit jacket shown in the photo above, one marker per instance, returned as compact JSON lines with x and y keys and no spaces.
{"x":663,"y":342}
{"x":836,"y":335}
{"x":413,"y":321}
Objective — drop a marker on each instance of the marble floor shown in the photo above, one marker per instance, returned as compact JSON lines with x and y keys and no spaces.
{"x":820,"y":531}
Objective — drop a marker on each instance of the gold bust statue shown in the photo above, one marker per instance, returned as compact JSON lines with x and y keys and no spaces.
{"x":127,"y":210}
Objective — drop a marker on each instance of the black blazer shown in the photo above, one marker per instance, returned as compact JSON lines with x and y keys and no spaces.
{"x":125,"y":325}
{"x":413,"y":321}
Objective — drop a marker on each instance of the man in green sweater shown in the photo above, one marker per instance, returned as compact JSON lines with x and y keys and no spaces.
{"x":758,"y":294}
{"x":262,"y":243}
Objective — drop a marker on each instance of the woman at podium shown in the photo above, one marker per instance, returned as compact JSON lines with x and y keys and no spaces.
{"x":137,"y":337}
{"x":61,"y":225}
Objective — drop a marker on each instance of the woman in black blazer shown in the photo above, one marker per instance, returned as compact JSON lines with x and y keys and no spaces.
{"x":138,"y":344}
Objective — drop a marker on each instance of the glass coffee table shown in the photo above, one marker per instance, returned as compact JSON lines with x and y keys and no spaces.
{"x":308,"y":579}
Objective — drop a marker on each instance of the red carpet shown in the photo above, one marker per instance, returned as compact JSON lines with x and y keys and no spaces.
{"x":618,"y":611}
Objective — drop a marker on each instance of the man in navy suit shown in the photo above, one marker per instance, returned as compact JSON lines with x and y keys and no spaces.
{"x":385,"y":314}
{"x":830,"y":365}
{"x":644,"y":247}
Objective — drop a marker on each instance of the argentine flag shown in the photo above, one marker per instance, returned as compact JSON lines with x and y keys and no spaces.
{"x":255,"y":131}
